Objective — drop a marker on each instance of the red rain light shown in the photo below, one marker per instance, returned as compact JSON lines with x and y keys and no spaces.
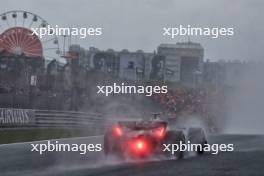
{"x":118,"y":131}
{"x":160,"y":132}
{"x":140,"y":145}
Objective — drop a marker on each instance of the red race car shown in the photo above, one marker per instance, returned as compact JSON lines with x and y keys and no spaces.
{"x":142,"y":139}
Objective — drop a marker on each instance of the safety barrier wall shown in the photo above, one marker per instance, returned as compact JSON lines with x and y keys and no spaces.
{"x":14,"y":118}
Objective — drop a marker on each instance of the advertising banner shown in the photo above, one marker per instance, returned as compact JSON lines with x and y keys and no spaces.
{"x":16,"y":117}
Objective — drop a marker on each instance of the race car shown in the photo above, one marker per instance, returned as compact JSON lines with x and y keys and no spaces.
{"x":142,"y":139}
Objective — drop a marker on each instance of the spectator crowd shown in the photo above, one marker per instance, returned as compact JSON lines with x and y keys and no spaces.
{"x":181,"y":101}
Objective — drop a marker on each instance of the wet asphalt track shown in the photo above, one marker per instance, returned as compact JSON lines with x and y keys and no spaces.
{"x":246,"y":160}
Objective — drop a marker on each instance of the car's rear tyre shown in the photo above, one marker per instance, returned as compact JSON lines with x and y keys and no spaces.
{"x":197,"y":136}
{"x":112,"y":147}
{"x":107,"y":148}
{"x":175,"y":137}
{"x":200,"y":150}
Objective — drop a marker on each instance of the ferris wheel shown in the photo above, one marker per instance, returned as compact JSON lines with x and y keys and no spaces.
{"x":17,"y":38}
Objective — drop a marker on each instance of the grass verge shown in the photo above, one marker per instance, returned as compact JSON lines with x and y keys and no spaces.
{"x":26,"y":135}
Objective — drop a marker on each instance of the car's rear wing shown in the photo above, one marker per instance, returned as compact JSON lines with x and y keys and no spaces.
{"x":134,"y":125}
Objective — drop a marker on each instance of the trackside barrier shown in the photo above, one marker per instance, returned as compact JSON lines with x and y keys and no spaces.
{"x":14,"y":118}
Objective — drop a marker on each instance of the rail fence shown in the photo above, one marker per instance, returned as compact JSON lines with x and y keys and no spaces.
{"x":20,"y":118}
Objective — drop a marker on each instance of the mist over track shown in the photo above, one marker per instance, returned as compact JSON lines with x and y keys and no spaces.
{"x":246,"y":160}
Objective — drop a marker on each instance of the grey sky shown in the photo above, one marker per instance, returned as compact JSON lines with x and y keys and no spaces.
{"x":137,"y":24}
